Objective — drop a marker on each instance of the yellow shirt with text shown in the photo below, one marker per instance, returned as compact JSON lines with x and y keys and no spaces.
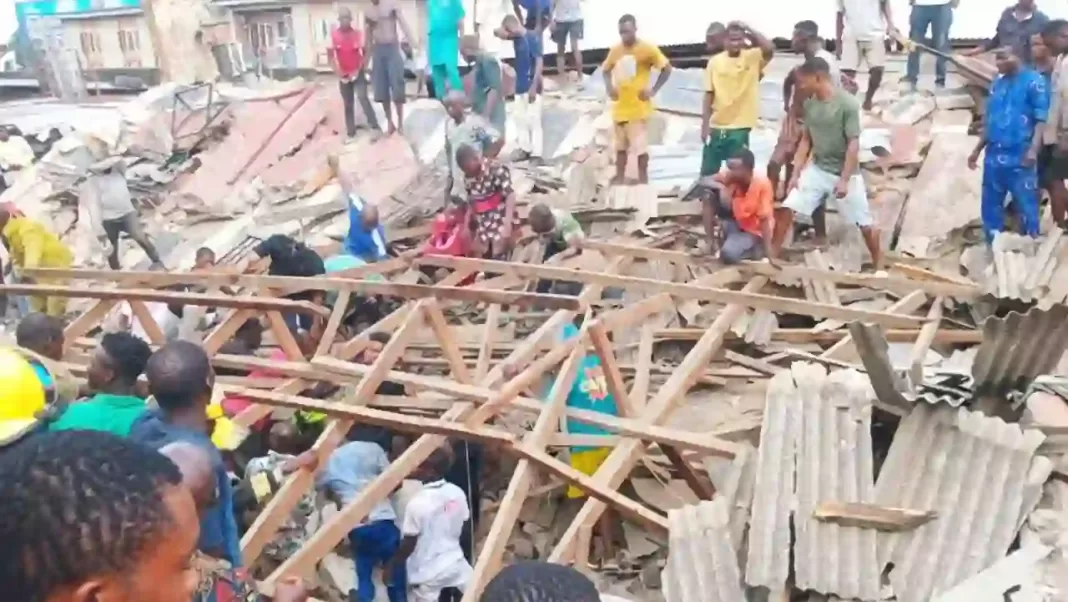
{"x":735,"y":84}
{"x":646,"y":56}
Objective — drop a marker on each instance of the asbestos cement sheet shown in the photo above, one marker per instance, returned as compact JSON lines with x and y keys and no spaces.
{"x":702,"y":561}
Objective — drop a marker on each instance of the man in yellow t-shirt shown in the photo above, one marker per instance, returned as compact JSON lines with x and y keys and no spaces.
{"x":732,"y":95}
{"x":31,"y":245}
{"x":627,"y":70}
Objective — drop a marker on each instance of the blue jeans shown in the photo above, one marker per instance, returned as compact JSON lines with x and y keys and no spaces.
{"x":939,"y":19}
{"x":1000,"y":179}
{"x":374,"y":544}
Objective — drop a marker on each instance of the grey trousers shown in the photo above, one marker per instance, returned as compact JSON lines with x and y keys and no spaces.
{"x":739,"y":245}
{"x":350,"y":91}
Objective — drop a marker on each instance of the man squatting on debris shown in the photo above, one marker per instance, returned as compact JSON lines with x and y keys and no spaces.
{"x":740,"y":201}
{"x":832,"y":136}
{"x":627,"y":70}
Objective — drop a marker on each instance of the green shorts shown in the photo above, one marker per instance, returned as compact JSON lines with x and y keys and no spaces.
{"x":721,"y":145}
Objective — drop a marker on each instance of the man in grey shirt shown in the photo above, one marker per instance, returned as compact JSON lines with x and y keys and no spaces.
{"x":567,"y":23}
{"x":108,"y":194}
{"x":387,"y":70}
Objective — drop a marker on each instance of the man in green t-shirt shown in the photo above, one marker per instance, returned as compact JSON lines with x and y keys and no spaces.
{"x":831,"y":137}
{"x":562,"y":236}
{"x":113,"y":371}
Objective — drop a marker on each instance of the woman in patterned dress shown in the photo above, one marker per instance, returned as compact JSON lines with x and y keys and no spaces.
{"x":491,"y":202}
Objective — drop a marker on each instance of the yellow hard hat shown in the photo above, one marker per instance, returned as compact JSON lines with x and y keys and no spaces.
{"x":22,"y":395}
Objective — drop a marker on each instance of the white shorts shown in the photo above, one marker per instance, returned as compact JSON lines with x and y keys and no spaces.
{"x":816,"y":184}
{"x":872,"y":52}
{"x":458,"y":576}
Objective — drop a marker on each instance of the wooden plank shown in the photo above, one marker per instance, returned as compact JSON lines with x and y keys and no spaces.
{"x":624,"y":456}
{"x":171,"y":297}
{"x":844,"y":350}
{"x":284,"y":337}
{"x":148,"y":323}
{"x":493,"y":546}
{"x":924,"y":341}
{"x":613,"y":377}
{"x":341,"y":305}
{"x":701,"y":487}
{"x":86,"y":322}
{"x":801,"y":336}
{"x":285,"y":500}
{"x":871,"y":516}
{"x":485,"y":349}
{"x":639,"y":392}
{"x":688,"y":291}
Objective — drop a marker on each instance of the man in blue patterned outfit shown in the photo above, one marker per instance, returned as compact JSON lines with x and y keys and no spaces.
{"x":1015,"y":113}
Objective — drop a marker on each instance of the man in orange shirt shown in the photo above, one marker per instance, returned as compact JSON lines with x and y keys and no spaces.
{"x":742,"y":202}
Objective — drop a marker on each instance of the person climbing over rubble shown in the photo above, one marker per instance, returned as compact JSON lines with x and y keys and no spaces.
{"x":347,"y":59}
{"x":383,"y":18}
{"x":529,"y":65}
{"x":731,"y":103}
{"x":290,"y":257}
{"x":831,"y":120}
{"x":32,"y":245}
{"x":632,"y":99}
{"x":434,"y":520}
{"x":181,"y":380}
{"x":366,"y":237}
{"x":491,"y":202}
{"x":108,"y":195}
{"x":538,"y":581}
{"x":1016,"y":112}
{"x":114,"y":368}
{"x":134,"y":500}
{"x":487,"y":93}
{"x":445,"y":20}
{"x":562,"y":237}
{"x":861,"y":30}
{"x":464,"y":128}
{"x":1053,"y":161}
{"x":740,"y":204}
{"x":343,"y":478}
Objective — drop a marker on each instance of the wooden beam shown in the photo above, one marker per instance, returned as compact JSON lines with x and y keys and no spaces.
{"x":924,"y":341}
{"x":284,"y":337}
{"x":170,"y":297}
{"x":485,"y":349}
{"x":613,"y":377}
{"x":148,"y":323}
{"x":906,"y":305}
{"x":624,"y":456}
{"x":871,"y":516}
{"x":341,"y":305}
{"x":639,"y":392}
{"x":687,"y":291}
{"x":86,"y":322}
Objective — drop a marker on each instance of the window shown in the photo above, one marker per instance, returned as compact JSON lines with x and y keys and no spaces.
{"x":130,"y":45}
{"x":91,"y":49}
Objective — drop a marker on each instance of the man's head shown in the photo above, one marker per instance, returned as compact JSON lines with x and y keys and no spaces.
{"x":806,"y":33}
{"x":436,"y":465}
{"x":469,"y":160}
{"x":180,"y":377}
{"x":284,"y":438}
{"x":1006,"y":60}
{"x":1055,"y":35}
{"x":455,"y":212}
{"x":250,"y":334}
{"x":537,"y":581}
{"x":455,"y":102}
{"x":344,"y":18}
{"x":1026,"y":5}
{"x":813,"y":75}
{"x":511,"y":27}
{"x":628,"y":30}
{"x":117,"y":362}
{"x":42,"y":334}
{"x":715,"y":37}
{"x":740,"y":168}
{"x":376,"y":342}
{"x":1040,"y":53}
{"x":205,"y":259}
{"x":735,"y":41}
{"x":469,"y":47}
{"x":369,"y":217}
{"x":198,"y":474}
{"x":541,"y":219}
{"x":91,"y":517}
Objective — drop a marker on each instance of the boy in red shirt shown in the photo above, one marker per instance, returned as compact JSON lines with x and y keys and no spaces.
{"x":348,"y":61}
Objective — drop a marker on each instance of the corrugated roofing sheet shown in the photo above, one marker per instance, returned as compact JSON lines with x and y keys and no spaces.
{"x":1019,"y":347}
{"x":834,"y":463}
{"x":702,"y":563}
{"x":972,"y":470}
{"x":874,"y":353}
{"x":768,"y":560}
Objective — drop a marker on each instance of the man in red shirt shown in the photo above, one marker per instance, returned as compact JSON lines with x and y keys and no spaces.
{"x":346,"y":55}
{"x":741,"y":202}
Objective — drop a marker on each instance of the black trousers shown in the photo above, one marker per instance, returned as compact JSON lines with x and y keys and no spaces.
{"x":356,"y":88}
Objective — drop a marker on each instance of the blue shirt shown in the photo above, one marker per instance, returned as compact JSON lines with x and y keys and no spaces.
{"x":350,"y":469}
{"x":588,"y":392}
{"x":527,"y":52}
{"x":1017,"y":34}
{"x":1017,"y":105}
{"x":218,"y":528}
{"x":369,"y":246}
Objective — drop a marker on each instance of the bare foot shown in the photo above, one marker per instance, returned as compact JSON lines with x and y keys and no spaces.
{"x":867,"y":106}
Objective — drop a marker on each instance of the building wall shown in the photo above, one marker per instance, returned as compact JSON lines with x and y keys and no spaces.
{"x":111,"y":42}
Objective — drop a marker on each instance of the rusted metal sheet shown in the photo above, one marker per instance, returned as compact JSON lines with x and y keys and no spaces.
{"x":768,"y":560}
{"x":834,"y":463}
{"x":1019,"y":347}
{"x":977,"y":473}
{"x":702,"y":563}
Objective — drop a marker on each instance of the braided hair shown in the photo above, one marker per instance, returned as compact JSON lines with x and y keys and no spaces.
{"x":77,"y":504}
{"x":534,"y":581}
